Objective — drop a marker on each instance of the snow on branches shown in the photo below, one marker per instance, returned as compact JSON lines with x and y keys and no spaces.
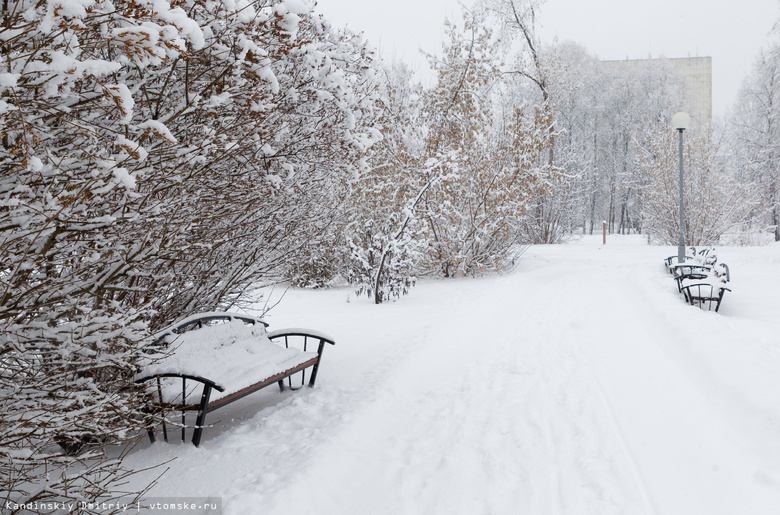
{"x":451,"y":181}
{"x":500,"y":143}
{"x":156,"y":158}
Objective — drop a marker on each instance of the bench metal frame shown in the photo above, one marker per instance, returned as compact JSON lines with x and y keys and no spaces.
{"x":704,"y":295}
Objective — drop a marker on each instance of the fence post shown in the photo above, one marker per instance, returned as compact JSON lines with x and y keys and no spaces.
{"x":604,"y":231}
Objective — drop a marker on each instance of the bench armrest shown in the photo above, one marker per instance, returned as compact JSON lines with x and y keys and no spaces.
{"x":297,"y":331}
{"x":201,"y":406}
{"x":302,"y":339}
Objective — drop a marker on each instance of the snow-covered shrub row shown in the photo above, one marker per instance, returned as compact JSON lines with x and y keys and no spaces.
{"x":156,"y":158}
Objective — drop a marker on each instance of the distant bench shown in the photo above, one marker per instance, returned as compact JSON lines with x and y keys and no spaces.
{"x":684,"y":271}
{"x":703,"y":257}
{"x":226,"y":356}
{"x":701,"y":281}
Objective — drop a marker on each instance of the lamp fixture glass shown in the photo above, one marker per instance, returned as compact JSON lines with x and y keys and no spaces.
{"x":681,"y":121}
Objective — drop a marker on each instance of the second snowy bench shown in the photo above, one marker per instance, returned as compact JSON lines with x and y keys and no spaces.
{"x":706,"y":292}
{"x":219,"y":358}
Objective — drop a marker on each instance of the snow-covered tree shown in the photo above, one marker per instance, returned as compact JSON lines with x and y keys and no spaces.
{"x":713,"y":200}
{"x":756,"y":127}
{"x":385,"y":231}
{"x":474,"y":212}
{"x":578,"y":85}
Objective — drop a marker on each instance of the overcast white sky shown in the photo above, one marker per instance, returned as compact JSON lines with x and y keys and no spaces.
{"x":612,"y":29}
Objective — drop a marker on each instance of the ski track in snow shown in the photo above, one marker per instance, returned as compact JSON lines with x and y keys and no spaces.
{"x":575,"y":385}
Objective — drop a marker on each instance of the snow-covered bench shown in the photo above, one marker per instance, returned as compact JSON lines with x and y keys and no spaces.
{"x":219,"y":358}
{"x":685,"y":271}
{"x":671,"y":261}
{"x":705,"y":257}
{"x":707,"y":292}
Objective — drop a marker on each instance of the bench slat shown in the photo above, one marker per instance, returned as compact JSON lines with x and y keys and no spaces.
{"x":258,"y":386}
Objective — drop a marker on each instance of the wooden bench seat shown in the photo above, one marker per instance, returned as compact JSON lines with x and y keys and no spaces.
{"x":219,"y":358}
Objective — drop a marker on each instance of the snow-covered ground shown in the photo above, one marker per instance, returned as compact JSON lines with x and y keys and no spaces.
{"x":581,"y":383}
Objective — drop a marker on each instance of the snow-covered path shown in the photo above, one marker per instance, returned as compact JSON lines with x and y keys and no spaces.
{"x":579,"y":384}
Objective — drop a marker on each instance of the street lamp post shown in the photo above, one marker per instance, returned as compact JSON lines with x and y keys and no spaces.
{"x":680,"y":122}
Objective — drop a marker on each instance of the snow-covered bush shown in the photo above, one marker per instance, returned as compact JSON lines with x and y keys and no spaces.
{"x":474,"y":213}
{"x":154,"y":160}
{"x":69,"y":209}
{"x":449,"y":186}
{"x":382,"y":223}
{"x":384,"y":266}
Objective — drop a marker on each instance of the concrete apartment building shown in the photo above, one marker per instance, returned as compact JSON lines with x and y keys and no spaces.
{"x":697,"y":82}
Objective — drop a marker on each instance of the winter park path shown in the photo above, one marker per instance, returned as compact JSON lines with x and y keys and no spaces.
{"x":578,"y":384}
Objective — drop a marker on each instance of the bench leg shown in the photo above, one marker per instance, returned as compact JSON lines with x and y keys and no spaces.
{"x":720,"y":298}
{"x":316,"y":366}
{"x":150,"y":429}
{"x":200,"y":421}
{"x":152,"y":436}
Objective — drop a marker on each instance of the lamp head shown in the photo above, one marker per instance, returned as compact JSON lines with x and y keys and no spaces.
{"x":681,"y":121}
